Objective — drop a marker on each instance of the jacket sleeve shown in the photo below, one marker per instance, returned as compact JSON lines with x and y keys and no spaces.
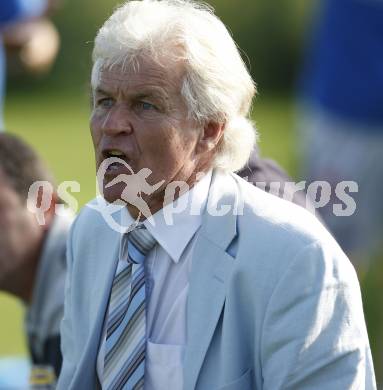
{"x":314,"y":334}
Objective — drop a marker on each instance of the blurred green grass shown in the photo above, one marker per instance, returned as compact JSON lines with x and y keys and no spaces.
{"x":56,"y":125}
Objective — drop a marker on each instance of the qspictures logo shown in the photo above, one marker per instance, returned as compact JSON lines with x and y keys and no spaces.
{"x":135,"y":185}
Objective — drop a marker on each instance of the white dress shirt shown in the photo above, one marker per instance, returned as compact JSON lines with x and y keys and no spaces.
{"x":168,"y":268}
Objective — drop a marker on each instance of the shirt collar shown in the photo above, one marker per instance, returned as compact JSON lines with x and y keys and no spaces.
{"x":172,"y":229}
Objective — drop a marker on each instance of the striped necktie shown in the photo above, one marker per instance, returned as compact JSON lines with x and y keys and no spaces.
{"x":124,"y":364}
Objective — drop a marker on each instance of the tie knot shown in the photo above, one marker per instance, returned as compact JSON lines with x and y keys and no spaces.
{"x":140,"y":243}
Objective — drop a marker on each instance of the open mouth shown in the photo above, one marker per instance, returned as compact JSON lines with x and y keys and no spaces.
{"x":119,"y":157}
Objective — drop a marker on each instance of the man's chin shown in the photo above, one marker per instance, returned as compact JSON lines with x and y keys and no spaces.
{"x":112,"y":196}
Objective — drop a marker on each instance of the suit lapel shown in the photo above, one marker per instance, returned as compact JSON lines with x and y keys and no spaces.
{"x":211,"y":268}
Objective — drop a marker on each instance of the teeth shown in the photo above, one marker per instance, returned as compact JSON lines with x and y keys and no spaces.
{"x":115,"y":153}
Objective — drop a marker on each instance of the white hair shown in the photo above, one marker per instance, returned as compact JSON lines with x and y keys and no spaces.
{"x":216,"y":86}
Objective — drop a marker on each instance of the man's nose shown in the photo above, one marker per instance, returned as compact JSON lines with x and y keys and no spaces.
{"x":117,"y":121}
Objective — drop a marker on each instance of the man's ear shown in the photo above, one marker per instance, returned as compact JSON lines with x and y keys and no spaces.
{"x":211,"y":135}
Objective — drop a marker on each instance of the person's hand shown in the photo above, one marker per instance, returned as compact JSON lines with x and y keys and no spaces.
{"x":36,"y":42}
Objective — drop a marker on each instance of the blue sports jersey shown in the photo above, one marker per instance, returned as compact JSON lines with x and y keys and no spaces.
{"x":344,"y":69}
{"x":12,"y":10}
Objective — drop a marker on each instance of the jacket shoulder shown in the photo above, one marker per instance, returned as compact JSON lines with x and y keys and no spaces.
{"x":274,"y":234}
{"x":265,"y":214}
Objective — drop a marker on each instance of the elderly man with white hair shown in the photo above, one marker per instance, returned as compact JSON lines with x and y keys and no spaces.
{"x":223,"y":286}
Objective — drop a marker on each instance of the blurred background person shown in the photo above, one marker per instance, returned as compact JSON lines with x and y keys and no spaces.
{"x":342,"y":127}
{"x":32,"y":38}
{"x":269,"y":176}
{"x":32,"y":255}
{"x":341,"y":92}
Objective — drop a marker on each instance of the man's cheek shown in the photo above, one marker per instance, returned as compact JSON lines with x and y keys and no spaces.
{"x":95,"y":122}
{"x":96,"y":137}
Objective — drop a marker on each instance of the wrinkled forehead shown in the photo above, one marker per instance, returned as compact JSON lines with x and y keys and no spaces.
{"x":164,"y":74}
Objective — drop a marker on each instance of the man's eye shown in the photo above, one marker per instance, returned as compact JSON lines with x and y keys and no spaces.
{"x":147,"y":106}
{"x":105,"y":102}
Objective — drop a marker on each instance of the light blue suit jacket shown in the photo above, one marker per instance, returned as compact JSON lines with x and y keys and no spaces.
{"x":273,"y":301}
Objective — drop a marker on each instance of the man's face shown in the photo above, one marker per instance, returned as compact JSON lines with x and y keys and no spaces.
{"x":19,"y":231}
{"x":141,"y":115}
